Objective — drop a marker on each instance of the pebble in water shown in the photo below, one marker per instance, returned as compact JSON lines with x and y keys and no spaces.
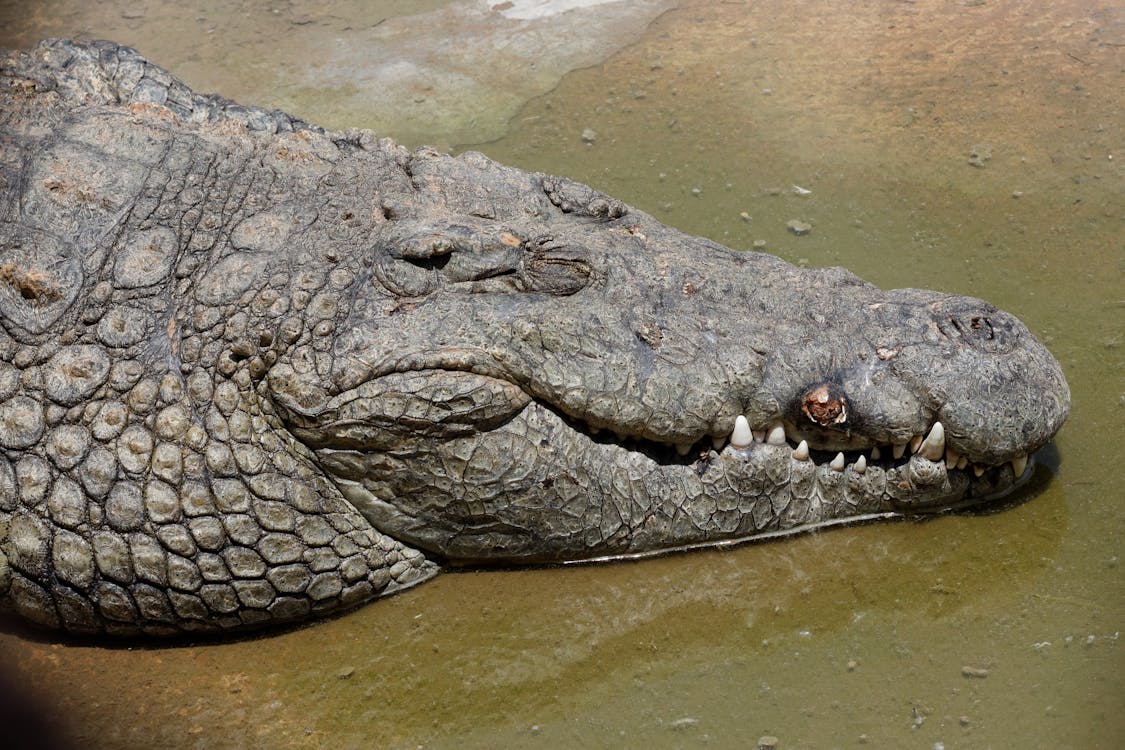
{"x":798,"y":227}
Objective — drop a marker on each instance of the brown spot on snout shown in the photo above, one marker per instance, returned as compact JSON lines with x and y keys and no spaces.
{"x":824,"y":407}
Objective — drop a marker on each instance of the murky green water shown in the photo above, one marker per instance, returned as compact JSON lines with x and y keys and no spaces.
{"x":854,"y":637}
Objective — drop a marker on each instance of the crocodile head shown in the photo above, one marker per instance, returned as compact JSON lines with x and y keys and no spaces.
{"x":226,"y":334}
{"x":524,"y":369}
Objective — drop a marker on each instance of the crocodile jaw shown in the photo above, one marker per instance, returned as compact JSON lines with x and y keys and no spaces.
{"x":537,"y":490}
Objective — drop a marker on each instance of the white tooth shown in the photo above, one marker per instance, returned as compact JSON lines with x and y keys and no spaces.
{"x":683,"y":448}
{"x":1019,"y":464}
{"x":776,"y":435}
{"x":802,"y":452}
{"x":962,"y":462}
{"x":898,"y":449}
{"x":978,"y":470}
{"x":718,"y":441}
{"x":759,"y":436}
{"x":837,"y":463}
{"x":916,"y":443}
{"x":876,"y":454}
{"x":934,"y":446}
{"x":741,"y":436}
{"x":860,"y":465}
{"x":951,"y":457}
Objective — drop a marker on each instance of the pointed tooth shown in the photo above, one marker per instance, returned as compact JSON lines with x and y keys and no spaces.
{"x":962,"y":462}
{"x":741,"y":436}
{"x":916,"y":443}
{"x":898,"y":450}
{"x":683,"y":448}
{"x":978,"y":470}
{"x":717,"y":442}
{"x":759,"y":436}
{"x":838,"y":463}
{"x":776,"y":434}
{"x":951,"y":457}
{"x":933,"y":447}
{"x":876,"y":454}
{"x":801,"y":453}
{"x":860,"y":465}
{"x":1019,"y":464}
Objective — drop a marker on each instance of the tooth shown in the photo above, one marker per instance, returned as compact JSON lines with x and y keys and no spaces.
{"x":962,"y":462}
{"x":898,"y":449}
{"x":759,"y":436}
{"x":837,"y":463}
{"x":875,"y":454}
{"x":717,"y":442}
{"x":1019,"y":464}
{"x":951,"y":457}
{"x":934,"y":445}
{"x":978,"y":470}
{"x":741,"y":436}
{"x":860,"y":465}
{"x":915,"y":443}
{"x":802,"y":452}
{"x":776,"y":435}
{"x":683,"y":448}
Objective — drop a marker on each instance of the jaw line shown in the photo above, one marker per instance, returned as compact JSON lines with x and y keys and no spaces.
{"x":698,"y":461}
{"x":899,"y":514}
{"x":660,"y":452}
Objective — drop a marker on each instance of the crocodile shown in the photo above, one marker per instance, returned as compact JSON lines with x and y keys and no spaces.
{"x":253,"y":371}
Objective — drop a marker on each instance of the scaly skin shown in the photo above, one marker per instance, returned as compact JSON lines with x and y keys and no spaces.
{"x":252,"y":371}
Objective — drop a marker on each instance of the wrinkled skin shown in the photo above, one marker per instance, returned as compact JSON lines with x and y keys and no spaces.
{"x":252,"y":371}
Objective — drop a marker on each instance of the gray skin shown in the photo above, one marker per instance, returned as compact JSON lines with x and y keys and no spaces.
{"x":252,"y":371}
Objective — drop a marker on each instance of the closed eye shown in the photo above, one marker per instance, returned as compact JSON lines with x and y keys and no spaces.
{"x":430,"y":263}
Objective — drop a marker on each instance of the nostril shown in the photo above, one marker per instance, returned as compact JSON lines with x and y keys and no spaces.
{"x":988,"y":331}
{"x":978,"y":325}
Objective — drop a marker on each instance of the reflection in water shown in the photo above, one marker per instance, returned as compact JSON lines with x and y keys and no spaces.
{"x":857,"y":634}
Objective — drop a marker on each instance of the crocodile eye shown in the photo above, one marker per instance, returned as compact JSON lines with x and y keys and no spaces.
{"x":411,"y":276}
{"x":415,"y":261}
{"x":559,"y":270}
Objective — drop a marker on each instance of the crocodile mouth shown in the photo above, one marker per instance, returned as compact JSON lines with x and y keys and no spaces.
{"x":452,"y":403}
{"x":473,"y":468}
{"x":815,"y":439}
{"x":985,"y":480}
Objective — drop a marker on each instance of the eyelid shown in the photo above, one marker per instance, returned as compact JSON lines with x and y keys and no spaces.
{"x":474,"y":266}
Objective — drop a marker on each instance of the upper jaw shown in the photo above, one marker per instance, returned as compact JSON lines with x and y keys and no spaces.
{"x":842,"y":452}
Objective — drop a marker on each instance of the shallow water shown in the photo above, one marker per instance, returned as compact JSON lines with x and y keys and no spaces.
{"x":852,"y":637}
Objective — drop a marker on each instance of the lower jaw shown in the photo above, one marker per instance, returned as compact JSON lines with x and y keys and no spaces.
{"x":978,"y":494}
{"x":555,"y":495}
